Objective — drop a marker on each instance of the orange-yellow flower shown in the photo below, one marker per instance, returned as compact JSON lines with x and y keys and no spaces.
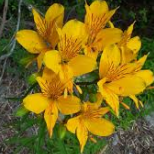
{"x":96,"y":18}
{"x":51,"y":99}
{"x":46,"y":37}
{"x":90,"y":119}
{"x":117,"y":79}
{"x":67,"y":60}
{"x":129,"y":46}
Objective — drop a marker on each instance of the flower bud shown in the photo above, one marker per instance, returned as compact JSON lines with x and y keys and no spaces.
{"x":61,"y":131}
{"x":21,"y":111}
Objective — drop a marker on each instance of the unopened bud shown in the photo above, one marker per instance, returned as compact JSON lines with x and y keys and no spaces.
{"x":61,"y":131}
{"x":21,"y":111}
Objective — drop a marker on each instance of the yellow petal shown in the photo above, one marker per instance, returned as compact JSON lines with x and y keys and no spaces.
{"x":40,"y":24}
{"x":82,"y":135}
{"x":54,"y":18}
{"x":99,"y":99}
{"x":71,"y":39}
{"x":110,"y":14}
{"x":130,"y":29}
{"x":91,"y":51}
{"x":65,"y":73}
{"x":47,"y":74}
{"x":82,"y":64}
{"x":95,"y":106}
{"x":55,"y":11}
{"x":109,"y":95}
{"x":52,"y":60}
{"x":111,"y":25}
{"x":130,"y":85}
{"x":90,"y":106}
{"x":74,"y":29}
{"x":50,"y":116}
{"x":103,"y":110}
{"x":134,"y":44}
{"x":40,"y":60}
{"x":99,"y":126}
{"x":42,"y":83}
{"x":127,"y":55}
{"x":130,"y":52}
{"x":72,"y":124}
{"x":107,"y":37}
{"x":68,"y":105}
{"x":141,"y":62}
{"x":31,"y":41}
{"x":110,"y":56}
{"x":99,"y":7}
{"x":36,"y":103}
{"x":97,"y":15}
{"x":135,"y":99}
{"x":147,"y":76}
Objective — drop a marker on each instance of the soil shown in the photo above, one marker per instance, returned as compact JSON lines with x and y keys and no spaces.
{"x":139,"y":139}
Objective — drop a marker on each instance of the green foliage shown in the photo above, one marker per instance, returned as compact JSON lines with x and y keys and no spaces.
{"x":40,"y":143}
{"x":1,"y":2}
{"x":21,"y":111}
{"x":3,"y":46}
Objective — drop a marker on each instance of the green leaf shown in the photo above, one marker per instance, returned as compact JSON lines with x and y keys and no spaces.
{"x":32,"y":78}
{"x":1,"y":2}
{"x":92,"y":98}
{"x":21,"y":111}
{"x":27,"y":60}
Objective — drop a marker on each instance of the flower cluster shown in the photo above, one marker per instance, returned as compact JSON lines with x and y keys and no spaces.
{"x":65,"y":52}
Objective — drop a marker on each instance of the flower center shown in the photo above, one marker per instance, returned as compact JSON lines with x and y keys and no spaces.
{"x":53,"y":88}
{"x":118,"y":72}
{"x":90,"y":112}
{"x":69,"y":47}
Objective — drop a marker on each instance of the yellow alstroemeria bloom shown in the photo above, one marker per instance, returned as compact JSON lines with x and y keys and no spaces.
{"x":46,"y":37}
{"x":96,"y":18}
{"x":129,"y":46}
{"x":117,"y":79}
{"x":51,"y":99}
{"x":90,"y":119}
{"x":145,"y":75}
{"x":66,"y":61}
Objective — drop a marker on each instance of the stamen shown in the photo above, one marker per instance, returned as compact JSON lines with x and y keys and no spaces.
{"x":79,"y":89}
{"x":125,"y":106}
{"x":69,"y":47}
{"x":53,"y":88}
{"x":65,"y":93}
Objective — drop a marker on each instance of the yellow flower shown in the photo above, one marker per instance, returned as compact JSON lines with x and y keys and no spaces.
{"x":118,"y":79}
{"x":90,"y":119}
{"x":96,"y":18}
{"x":51,"y":99}
{"x":146,"y":76}
{"x":66,"y":61}
{"x":46,"y":36}
{"x":129,"y":46}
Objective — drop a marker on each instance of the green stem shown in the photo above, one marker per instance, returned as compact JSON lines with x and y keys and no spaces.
{"x":63,"y":147}
{"x":62,"y":144}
